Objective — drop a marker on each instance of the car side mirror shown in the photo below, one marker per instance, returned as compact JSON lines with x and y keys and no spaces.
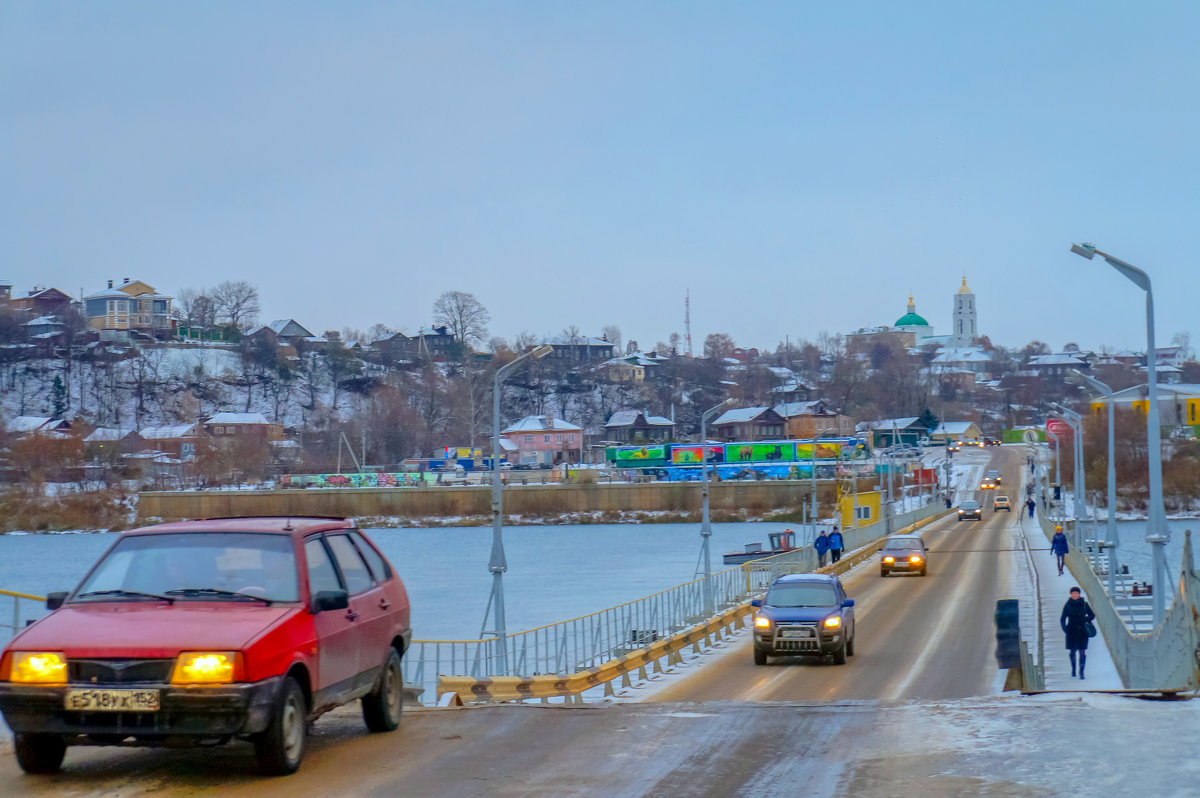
{"x":330,"y":600}
{"x":56,"y":599}
{"x":848,"y":603}
{"x":756,"y":602}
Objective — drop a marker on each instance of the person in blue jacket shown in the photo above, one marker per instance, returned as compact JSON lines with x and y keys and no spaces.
{"x":835,"y":545}
{"x":821,"y":544}
{"x":1076,"y":615}
{"x":1059,"y":547}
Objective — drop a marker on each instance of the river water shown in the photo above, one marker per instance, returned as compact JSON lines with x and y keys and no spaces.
{"x":554,"y":572}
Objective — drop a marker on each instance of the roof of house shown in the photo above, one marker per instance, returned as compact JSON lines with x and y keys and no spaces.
{"x":792,"y":409}
{"x":168,"y":431}
{"x":953,"y":427}
{"x":1055,"y":360}
{"x":577,"y":340}
{"x":238,"y":418}
{"x":626,"y":418}
{"x":542,"y":424}
{"x":740,"y":415}
{"x":889,"y":423}
{"x":108,"y":434}
{"x":34,"y":424}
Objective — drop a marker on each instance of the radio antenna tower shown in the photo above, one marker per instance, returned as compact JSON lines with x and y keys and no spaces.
{"x":687,"y":319}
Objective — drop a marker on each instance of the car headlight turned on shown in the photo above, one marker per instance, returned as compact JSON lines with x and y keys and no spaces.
{"x":915,"y":558}
{"x":833,"y":622}
{"x":207,"y":667}
{"x":762,"y":623}
{"x":889,"y":558}
{"x":34,"y":667}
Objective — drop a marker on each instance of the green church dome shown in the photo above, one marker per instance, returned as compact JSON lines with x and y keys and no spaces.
{"x":909,"y":319}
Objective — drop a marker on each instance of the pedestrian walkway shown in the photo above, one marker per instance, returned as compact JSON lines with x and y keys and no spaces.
{"x":1053,"y":591}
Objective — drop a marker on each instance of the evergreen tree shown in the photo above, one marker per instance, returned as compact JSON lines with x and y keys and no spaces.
{"x":928,"y":420}
{"x":58,"y":397}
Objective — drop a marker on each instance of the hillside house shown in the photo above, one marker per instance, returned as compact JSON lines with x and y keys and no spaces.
{"x":543,"y":441}
{"x":813,"y":419}
{"x":638,"y":426}
{"x":748,"y":424}
{"x":133,"y":307}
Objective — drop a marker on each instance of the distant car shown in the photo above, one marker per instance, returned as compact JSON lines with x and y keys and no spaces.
{"x":506,"y":466}
{"x":987,"y":484}
{"x":969,"y":510}
{"x":804,"y":614}
{"x":903,"y":554}
{"x":203,"y":632}
{"x":993,"y":475}
{"x":978,"y":443}
{"x":991,"y":442}
{"x":1001,"y":503}
{"x":954,"y":447}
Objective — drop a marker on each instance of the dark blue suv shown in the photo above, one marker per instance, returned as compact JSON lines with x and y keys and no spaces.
{"x":804,"y":614}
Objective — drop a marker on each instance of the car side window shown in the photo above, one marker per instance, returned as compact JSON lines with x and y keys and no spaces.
{"x":321,"y":573}
{"x":379,"y":566}
{"x":353,"y":569}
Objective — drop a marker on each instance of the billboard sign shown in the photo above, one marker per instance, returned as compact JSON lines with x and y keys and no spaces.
{"x":690,"y":455}
{"x":635,"y":454}
{"x":759,"y":452}
{"x":1058,"y":428}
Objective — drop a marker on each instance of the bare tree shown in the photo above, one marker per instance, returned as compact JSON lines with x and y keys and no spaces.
{"x":463,"y":315}
{"x":236,"y":302}
{"x":194,"y":307}
{"x":718,"y":345}
{"x":612,"y":334}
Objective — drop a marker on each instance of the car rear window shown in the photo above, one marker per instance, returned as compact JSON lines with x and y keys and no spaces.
{"x":802,"y":595}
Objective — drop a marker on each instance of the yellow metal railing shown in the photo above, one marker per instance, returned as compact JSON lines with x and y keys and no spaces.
{"x":17,"y":598}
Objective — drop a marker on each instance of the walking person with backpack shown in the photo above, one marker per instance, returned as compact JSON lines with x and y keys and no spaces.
{"x":821,"y":544}
{"x":1059,"y":547}
{"x":835,"y":545}
{"x":1076,"y":621}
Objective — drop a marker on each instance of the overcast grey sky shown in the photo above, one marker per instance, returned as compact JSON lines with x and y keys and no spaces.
{"x":799,"y":166}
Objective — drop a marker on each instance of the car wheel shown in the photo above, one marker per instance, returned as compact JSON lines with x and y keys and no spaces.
{"x":850,"y":646}
{"x":839,"y":655}
{"x":280,"y":748}
{"x":883,"y":572}
{"x":923,"y":571}
{"x":383,"y":706}
{"x":40,"y":753}
{"x":760,"y":656}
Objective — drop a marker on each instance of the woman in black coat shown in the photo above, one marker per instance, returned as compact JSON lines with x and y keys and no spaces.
{"x":1076,"y":614}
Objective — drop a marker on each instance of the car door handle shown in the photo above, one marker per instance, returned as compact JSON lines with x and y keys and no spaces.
{"x":351,"y":615}
{"x":384,"y":604}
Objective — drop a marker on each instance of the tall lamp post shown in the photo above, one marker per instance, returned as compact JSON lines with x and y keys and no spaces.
{"x":705,"y":525}
{"x":1157,"y":534}
{"x":1080,"y":508}
{"x":1111,"y":532}
{"x":497,"y":564}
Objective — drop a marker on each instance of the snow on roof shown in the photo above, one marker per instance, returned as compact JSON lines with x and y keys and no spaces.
{"x":578,"y":340}
{"x":30,"y":423}
{"x":167,"y":431}
{"x":888,"y":423}
{"x":507,"y":445}
{"x":790,"y":409}
{"x":47,"y":335}
{"x":624,"y":418}
{"x":542,"y":424}
{"x":953,"y":427}
{"x":962,"y":355}
{"x":40,"y":320}
{"x":107,"y":434}
{"x":1055,"y":360}
{"x":238,"y":418}
{"x":740,"y":415}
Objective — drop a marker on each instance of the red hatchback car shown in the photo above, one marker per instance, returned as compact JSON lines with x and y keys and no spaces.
{"x":201,"y":632}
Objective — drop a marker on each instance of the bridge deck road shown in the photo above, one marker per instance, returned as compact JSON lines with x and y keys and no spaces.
{"x":929,"y":637}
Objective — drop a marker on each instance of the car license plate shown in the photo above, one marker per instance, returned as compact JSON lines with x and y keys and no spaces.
{"x":111,"y":700}
{"x":793,"y":634}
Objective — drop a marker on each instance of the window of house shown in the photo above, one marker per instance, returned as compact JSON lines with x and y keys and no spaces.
{"x":545,"y":439}
{"x":218,"y":430}
{"x":116,"y":306}
{"x":529,"y":439}
{"x":558,"y":439}
{"x":571,"y":438}
{"x":862,"y":513}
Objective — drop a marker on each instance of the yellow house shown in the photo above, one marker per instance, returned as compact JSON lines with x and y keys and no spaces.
{"x":866,"y":510}
{"x":132,"y":306}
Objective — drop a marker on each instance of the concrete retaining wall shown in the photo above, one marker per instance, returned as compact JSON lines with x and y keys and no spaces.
{"x":681,"y":497}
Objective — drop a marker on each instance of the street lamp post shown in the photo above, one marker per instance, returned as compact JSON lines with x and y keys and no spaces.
{"x":1157,"y":534}
{"x":705,"y":525}
{"x":813,"y":480}
{"x":1111,"y":532}
{"x":497,"y":564}
{"x":1080,"y":508}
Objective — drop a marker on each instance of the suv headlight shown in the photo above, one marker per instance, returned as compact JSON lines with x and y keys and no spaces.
{"x":833,"y":622}
{"x":37,"y":667}
{"x":762,"y":623}
{"x":915,"y":558}
{"x":889,"y":558}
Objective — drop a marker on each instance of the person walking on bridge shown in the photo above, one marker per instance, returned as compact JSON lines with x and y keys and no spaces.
{"x":1076,"y":618}
{"x":1059,"y":547}
{"x":821,"y":544}
{"x":835,"y":545}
